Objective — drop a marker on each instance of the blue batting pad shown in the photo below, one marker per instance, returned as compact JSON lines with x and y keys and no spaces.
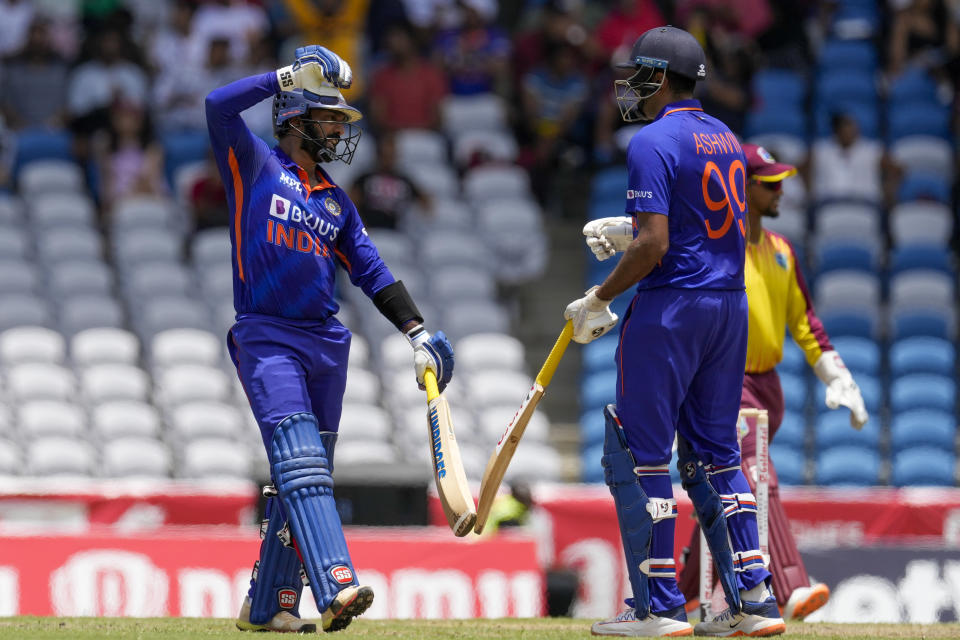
{"x":301,"y":473}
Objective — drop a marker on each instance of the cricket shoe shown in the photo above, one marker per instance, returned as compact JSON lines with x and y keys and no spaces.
{"x":756,"y":620}
{"x":626,"y":624}
{"x":805,"y":600}
{"x":283,"y":622}
{"x":347,"y":605}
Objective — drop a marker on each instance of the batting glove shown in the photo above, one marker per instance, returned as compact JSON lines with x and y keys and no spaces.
{"x":431,"y":352}
{"x":314,"y":67}
{"x":607,"y":236}
{"x":841,"y":389}
{"x":591,"y":317}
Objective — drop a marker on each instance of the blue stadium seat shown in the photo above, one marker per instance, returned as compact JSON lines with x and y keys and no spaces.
{"x":790,"y":464}
{"x":590,"y":467}
{"x":917,"y":185}
{"x":923,"y":391}
{"x":922,"y":322}
{"x":598,"y":390}
{"x":861,"y":355}
{"x":792,"y":431}
{"x":912,"y":85}
{"x":847,"y":254}
{"x":923,"y":427}
{"x":923,"y":354}
{"x":793,"y":360}
{"x":794,"y":391}
{"x":610,"y":184}
{"x":833,"y":430}
{"x":917,"y":118}
{"x":182,"y":148}
{"x":40,"y":144}
{"x":592,"y":424}
{"x":848,"y":55}
{"x":850,"y":322}
{"x":773,"y":88}
{"x":921,"y":256}
{"x":777,"y":120}
{"x":870,"y":389}
{"x":923,"y":466}
{"x":854,"y":466}
{"x":599,"y":354}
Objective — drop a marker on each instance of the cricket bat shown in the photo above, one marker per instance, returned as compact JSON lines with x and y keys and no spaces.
{"x":500,"y":459}
{"x":448,"y":471}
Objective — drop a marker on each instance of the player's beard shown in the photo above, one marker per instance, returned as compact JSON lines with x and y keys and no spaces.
{"x":318,"y":145}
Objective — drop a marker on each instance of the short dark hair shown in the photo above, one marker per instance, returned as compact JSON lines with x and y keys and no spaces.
{"x":681,"y":85}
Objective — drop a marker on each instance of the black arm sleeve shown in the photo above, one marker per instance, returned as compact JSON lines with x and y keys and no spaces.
{"x":396,"y":305}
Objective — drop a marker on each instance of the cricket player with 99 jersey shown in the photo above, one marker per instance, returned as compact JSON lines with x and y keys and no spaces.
{"x":682,"y":349}
{"x":291,"y":227}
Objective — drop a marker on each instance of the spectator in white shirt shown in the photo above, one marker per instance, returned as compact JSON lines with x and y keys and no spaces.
{"x":15,"y":19}
{"x":847,"y":166}
{"x":96,"y":84}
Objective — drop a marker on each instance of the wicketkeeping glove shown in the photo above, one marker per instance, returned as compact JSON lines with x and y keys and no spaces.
{"x":607,"y":236}
{"x":841,"y":389}
{"x":591,"y":317}
{"x":431,"y":352}
{"x":314,"y":67}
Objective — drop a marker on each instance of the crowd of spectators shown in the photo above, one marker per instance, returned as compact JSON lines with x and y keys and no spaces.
{"x":119,"y":75}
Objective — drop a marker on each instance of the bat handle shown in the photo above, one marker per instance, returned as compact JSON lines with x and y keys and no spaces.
{"x":553,"y":360}
{"x":430,"y":382}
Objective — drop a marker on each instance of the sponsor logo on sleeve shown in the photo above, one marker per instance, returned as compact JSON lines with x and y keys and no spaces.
{"x":290,"y":181}
{"x":634,"y":195}
{"x":280,"y":207}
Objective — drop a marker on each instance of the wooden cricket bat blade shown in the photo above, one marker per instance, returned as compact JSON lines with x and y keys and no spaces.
{"x":452,"y":487}
{"x":503,"y":453}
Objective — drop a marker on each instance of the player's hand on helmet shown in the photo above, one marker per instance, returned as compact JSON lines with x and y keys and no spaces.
{"x":315,"y":66}
{"x":842,"y":391}
{"x":431,"y":352}
{"x":607,"y":236}
{"x":591,"y":317}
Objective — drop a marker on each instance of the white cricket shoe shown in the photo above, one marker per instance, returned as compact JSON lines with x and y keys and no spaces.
{"x":283,"y":622}
{"x":626,"y":624}
{"x":805,"y":600}
{"x":347,"y":605}
{"x":756,"y":620}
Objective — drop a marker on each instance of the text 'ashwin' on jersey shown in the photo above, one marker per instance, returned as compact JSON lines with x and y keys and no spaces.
{"x":287,"y":236}
{"x":688,"y":166}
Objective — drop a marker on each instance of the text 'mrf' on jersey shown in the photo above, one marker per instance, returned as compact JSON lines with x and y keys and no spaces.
{"x":688,"y":166}
{"x":287,"y":237}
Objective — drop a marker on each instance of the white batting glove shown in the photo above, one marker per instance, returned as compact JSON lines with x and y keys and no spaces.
{"x":315,"y":67}
{"x":841,"y":389}
{"x":591,"y":317}
{"x":607,"y":236}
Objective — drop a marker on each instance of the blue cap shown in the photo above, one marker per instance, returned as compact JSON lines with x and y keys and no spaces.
{"x":668,"y":48}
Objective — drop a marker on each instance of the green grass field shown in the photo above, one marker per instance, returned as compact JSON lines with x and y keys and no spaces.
{"x":26,"y":628}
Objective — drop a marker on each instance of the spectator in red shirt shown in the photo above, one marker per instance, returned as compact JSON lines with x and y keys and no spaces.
{"x":627,"y":19}
{"x":406,"y":92}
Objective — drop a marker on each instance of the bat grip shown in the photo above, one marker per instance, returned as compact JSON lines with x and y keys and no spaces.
{"x":430,"y":382}
{"x":553,"y":360}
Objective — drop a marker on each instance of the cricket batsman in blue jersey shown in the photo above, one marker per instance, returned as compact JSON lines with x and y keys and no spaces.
{"x":291,"y":227}
{"x":682,"y":348}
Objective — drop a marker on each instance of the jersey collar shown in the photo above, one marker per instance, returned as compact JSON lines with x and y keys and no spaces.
{"x":681,"y":105}
{"x":324,"y":181}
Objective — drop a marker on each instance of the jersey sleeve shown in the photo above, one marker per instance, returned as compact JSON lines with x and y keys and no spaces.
{"x":802,"y":320}
{"x":235,"y":147}
{"x":651,"y":174}
{"x":357,"y":254}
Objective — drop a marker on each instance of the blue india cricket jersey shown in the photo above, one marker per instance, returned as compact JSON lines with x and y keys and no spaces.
{"x":688,"y":166}
{"x":287,"y":238}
